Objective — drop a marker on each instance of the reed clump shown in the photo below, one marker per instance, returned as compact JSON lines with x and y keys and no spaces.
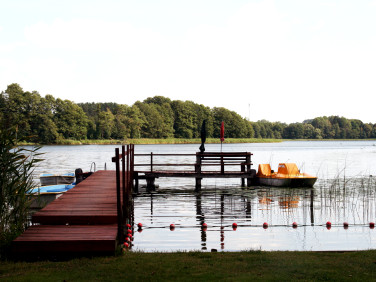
{"x":16,"y":174}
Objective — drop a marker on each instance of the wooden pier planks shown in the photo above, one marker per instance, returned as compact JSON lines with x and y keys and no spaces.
{"x":82,"y":220}
{"x":92,"y":201}
{"x":57,"y":239}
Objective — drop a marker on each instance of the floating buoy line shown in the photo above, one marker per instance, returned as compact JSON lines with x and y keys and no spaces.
{"x":130,"y":234}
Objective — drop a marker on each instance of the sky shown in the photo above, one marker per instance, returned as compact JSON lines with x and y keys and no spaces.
{"x":285,"y":61}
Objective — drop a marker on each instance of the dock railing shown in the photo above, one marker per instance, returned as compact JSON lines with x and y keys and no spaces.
{"x":220,"y":160}
{"x":124,"y":182}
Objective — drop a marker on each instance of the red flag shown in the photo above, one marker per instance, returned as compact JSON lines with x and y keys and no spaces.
{"x":222,"y":131}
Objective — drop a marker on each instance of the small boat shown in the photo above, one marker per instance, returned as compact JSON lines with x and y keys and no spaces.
{"x":53,"y":179}
{"x":42,"y":196}
{"x":288,"y":175}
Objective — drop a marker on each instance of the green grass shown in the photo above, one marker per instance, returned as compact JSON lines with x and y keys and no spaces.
{"x":200,"y":266}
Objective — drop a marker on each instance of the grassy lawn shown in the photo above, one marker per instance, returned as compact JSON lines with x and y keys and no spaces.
{"x":200,"y":266}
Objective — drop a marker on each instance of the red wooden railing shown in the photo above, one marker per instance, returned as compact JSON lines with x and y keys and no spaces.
{"x":124,"y":182}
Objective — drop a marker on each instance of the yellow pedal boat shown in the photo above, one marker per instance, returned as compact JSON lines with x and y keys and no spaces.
{"x":288,"y":175}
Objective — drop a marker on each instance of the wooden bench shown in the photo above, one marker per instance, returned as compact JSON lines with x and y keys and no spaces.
{"x":218,"y":160}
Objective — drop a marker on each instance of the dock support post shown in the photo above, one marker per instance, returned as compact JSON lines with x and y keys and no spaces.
{"x":242,"y":168}
{"x":150,"y":183}
{"x":198,"y":184}
{"x":248,"y":160}
{"x":198,"y":171}
{"x":222,"y":166}
{"x":135,"y":187}
{"x":118,"y":198}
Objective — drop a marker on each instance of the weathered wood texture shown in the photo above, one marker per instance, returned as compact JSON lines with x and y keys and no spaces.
{"x":92,"y":201}
{"x":66,"y":239}
{"x":83,"y":220}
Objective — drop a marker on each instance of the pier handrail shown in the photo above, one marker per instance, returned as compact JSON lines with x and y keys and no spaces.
{"x":127,"y":170}
{"x":202,"y":159}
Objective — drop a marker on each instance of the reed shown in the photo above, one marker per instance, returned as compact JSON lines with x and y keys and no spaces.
{"x":16,"y":168}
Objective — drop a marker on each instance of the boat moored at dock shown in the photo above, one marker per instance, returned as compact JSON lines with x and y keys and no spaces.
{"x":53,"y":179}
{"x":43,"y":195}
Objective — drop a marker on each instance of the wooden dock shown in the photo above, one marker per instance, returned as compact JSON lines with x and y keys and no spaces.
{"x":215,"y":160}
{"x":92,"y":201}
{"x":89,"y":218}
{"x":83,"y":219}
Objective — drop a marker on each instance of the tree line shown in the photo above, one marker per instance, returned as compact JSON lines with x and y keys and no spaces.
{"x":48,"y":120}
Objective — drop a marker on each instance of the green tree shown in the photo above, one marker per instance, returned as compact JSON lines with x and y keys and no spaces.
{"x":294,"y":131}
{"x":185,"y":119}
{"x":106,"y":124}
{"x":70,"y":120}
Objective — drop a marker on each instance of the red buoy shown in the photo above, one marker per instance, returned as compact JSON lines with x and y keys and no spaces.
{"x":139,"y":225}
{"x":129,"y":235}
{"x":129,"y":231}
{"x":345,"y":225}
{"x":128,"y":225}
{"x":126,"y":245}
{"x":328,"y":225}
{"x":265,"y":225}
{"x":371,"y":225}
{"x":172,"y":227}
{"x":127,"y":239}
{"x":294,"y":225}
{"x":234,"y":225}
{"x":204,"y":225}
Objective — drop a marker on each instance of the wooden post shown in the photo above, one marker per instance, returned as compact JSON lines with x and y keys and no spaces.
{"x":135,"y":187}
{"x":123,"y":181}
{"x":222,"y":165}
{"x":128,"y":171}
{"x":151,"y":162}
{"x":242,"y":168}
{"x":118,"y":198}
{"x":150,"y":183}
{"x":198,"y":171}
{"x":248,"y":161}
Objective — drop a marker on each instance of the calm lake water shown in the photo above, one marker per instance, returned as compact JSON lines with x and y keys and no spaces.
{"x":345,"y":191}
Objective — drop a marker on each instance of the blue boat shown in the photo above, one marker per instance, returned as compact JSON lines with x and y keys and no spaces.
{"x":42,"y":196}
{"x":53,"y":179}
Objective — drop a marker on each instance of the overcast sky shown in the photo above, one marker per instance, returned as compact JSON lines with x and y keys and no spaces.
{"x":286,"y":61}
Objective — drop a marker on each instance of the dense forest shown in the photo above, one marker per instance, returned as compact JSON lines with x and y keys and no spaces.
{"x":48,"y":120}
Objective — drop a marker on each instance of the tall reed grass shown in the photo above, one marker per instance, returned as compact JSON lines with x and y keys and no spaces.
{"x":16,"y":168}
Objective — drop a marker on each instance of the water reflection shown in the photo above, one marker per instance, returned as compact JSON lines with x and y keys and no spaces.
{"x":340,"y":195}
{"x":337,"y":201}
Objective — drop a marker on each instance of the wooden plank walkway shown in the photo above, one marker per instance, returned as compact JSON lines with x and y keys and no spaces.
{"x":92,"y":201}
{"x":82,"y":220}
{"x":67,"y":239}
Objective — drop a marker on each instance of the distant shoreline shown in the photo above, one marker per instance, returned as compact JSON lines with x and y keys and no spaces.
{"x":151,"y":141}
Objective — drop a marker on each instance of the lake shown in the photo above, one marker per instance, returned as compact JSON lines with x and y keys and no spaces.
{"x":345,"y":192}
